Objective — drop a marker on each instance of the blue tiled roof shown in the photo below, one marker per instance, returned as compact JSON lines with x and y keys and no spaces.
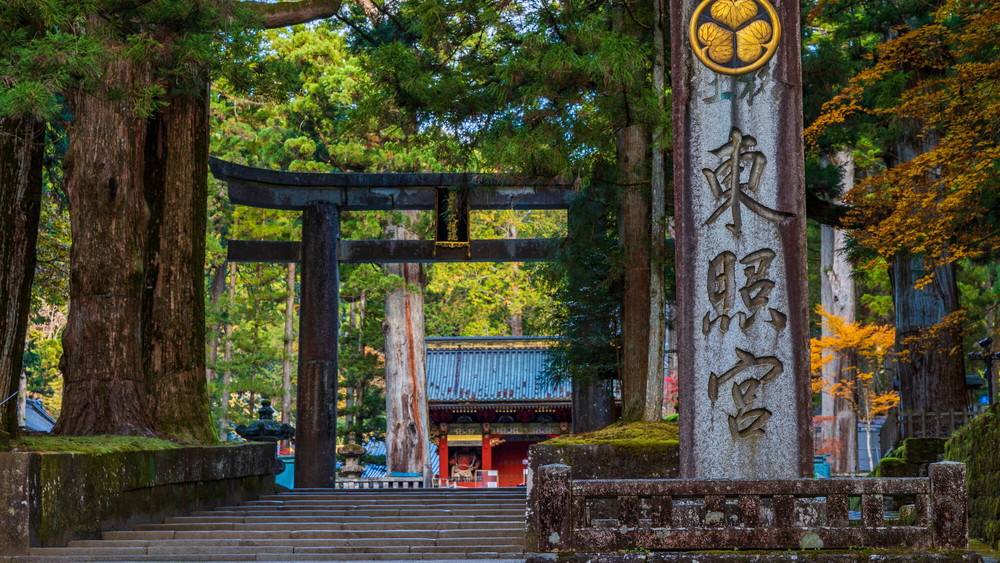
{"x":490,"y":370}
{"x":36,"y":418}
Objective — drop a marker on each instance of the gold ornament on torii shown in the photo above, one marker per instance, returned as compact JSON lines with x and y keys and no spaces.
{"x":734,"y":36}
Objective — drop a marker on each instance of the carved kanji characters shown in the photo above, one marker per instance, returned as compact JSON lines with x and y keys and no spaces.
{"x":725,"y":182}
{"x":748,"y":421}
{"x":755,"y":293}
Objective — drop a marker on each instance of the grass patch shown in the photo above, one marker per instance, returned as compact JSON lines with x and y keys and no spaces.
{"x":90,"y":444}
{"x":624,"y":434}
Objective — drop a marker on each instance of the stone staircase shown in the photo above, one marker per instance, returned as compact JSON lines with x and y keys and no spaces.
{"x":324,"y":525}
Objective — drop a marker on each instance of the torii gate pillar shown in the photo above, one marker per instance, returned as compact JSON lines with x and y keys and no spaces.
{"x":316,"y":423}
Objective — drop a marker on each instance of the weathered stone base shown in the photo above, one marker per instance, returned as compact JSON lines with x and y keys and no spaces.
{"x":761,"y":557}
{"x":50,"y":499}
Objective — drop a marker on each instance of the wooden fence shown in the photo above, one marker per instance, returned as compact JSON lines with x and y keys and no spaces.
{"x":924,"y":424}
{"x":676,"y":514}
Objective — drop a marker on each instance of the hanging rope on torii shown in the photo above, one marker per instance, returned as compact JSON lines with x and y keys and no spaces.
{"x":321,"y":197}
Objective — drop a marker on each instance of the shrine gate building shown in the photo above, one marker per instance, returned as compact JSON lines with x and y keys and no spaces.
{"x":489,"y":397}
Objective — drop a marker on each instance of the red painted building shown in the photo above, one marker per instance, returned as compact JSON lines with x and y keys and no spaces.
{"x":489,"y":400}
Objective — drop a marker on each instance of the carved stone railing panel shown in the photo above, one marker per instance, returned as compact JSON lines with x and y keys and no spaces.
{"x":382,"y":483}
{"x":607,"y":515}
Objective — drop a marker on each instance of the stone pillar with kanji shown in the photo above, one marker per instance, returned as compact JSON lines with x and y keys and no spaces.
{"x":741,"y":262}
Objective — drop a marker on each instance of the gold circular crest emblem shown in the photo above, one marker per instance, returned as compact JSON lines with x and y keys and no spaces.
{"x":734,"y":36}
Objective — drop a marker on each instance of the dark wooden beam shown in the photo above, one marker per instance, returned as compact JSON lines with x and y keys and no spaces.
{"x":386,"y":251}
{"x":275,"y":189}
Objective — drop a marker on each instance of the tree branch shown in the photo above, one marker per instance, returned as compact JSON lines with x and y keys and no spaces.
{"x":282,"y":14}
{"x":825,"y":212}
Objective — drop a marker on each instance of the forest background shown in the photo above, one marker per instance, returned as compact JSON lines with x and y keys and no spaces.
{"x":900,"y":90}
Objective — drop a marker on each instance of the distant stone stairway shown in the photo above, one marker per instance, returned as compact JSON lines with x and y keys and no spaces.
{"x":324,"y":525}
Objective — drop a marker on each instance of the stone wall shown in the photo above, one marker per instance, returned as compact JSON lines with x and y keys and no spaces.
{"x":50,"y":499}
{"x":644,"y":460}
{"x":977,"y":444}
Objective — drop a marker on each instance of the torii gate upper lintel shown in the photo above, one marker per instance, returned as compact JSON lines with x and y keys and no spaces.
{"x":321,"y":197}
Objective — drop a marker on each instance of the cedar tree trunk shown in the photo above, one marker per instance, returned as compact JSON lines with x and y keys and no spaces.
{"x":657,"y":233}
{"x":407,"y":431}
{"x":286,"y":376}
{"x":174,"y":298}
{"x":634,"y":169}
{"x":930,"y":369}
{"x":104,"y":390}
{"x":21,"y":153}
{"x":840,"y":427}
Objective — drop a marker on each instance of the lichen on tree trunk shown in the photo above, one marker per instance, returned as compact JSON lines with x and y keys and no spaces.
{"x":632,"y":145}
{"x":407,"y":433}
{"x":21,"y":154}
{"x":104,"y":390}
{"x":840,"y":426}
{"x":174,"y":301}
{"x":930,"y":369}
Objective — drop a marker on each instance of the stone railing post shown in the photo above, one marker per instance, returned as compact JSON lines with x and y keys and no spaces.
{"x":554,"y":504}
{"x":949,"y":508}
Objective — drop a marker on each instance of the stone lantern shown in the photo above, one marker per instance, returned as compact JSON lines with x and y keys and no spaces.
{"x":352,"y":455}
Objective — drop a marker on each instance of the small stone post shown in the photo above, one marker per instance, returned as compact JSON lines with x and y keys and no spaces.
{"x":554,"y":502}
{"x":740,"y":221}
{"x":949,"y":505}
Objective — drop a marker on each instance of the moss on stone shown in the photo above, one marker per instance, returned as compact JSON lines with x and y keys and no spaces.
{"x":91,"y":444}
{"x":895,"y":467}
{"x":630,"y":435}
{"x":922,"y":450}
{"x":977,"y":445}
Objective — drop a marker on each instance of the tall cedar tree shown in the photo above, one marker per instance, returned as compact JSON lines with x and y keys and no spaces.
{"x":137,"y":51}
{"x":538,"y":89}
{"x":923,"y":96}
{"x":37,"y":62}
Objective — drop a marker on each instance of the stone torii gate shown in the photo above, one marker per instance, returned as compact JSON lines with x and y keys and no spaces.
{"x":321,"y":198}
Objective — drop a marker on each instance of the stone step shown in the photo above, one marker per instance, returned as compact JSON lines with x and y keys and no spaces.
{"x":328,"y":526}
{"x":363,"y":503}
{"x":272,"y":513}
{"x":266,"y":556}
{"x":463,"y":514}
{"x":181,"y":549}
{"x":273,"y":536}
{"x":360,"y":501}
{"x":345,"y":544}
{"x":395,"y":537}
{"x":397,"y":495}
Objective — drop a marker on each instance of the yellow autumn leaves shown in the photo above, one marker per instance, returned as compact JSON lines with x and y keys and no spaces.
{"x":751,"y":38}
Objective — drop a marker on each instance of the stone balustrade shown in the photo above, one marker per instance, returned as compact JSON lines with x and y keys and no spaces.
{"x":381,"y":483}
{"x":598,"y":515}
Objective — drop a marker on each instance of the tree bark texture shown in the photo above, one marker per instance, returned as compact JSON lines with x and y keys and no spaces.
{"x":286,"y":375}
{"x":592,"y":406}
{"x":21,"y":154}
{"x":930,"y":369}
{"x":217,"y":288}
{"x":840,"y":425}
{"x":632,"y":145}
{"x":104,"y":388}
{"x":657,"y":238}
{"x":174,"y":299}
{"x":407,"y":431}
{"x":227,"y":354}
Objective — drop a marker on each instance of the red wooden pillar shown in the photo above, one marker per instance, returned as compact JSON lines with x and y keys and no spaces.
{"x":443,"y":452}
{"x":487,"y":453}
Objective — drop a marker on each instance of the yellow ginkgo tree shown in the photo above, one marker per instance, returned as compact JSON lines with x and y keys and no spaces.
{"x":867,"y":389}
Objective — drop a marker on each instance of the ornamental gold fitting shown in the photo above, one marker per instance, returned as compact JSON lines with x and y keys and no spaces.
{"x":734,"y":36}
